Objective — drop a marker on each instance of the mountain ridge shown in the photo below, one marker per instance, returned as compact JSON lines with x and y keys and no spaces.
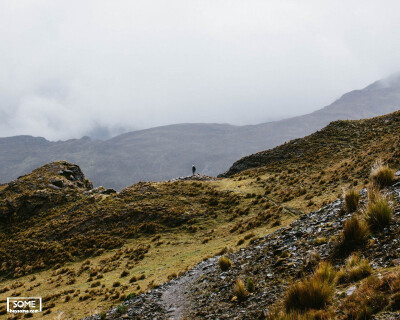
{"x":162,"y":153}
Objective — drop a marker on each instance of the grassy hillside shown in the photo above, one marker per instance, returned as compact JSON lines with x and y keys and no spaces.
{"x":86,"y":249}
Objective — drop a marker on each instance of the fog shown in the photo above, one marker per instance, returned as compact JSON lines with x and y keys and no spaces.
{"x":74,"y":68}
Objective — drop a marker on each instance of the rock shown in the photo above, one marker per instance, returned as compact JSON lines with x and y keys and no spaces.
{"x":57,"y":183}
{"x":351,"y":290}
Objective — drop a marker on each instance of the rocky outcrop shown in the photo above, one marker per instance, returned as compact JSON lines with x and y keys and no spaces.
{"x":45,"y":187}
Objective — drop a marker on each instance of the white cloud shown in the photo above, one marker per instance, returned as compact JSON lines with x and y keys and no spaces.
{"x":68,"y":66}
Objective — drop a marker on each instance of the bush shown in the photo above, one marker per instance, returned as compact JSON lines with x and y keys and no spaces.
{"x":355,"y":234}
{"x":355,"y":269}
{"x":116,"y":284}
{"x":351,"y":199}
{"x":239,"y":290}
{"x":224,"y":263}
{"x":381,"y":175}
{"x":378,"y":213}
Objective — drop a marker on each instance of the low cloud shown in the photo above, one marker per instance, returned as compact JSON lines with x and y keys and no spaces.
{"x":71,"y":68}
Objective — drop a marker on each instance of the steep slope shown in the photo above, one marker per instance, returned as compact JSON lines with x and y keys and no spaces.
{"x":165,"y":152}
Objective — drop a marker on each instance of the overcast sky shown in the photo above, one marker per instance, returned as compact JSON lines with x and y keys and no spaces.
{"x":68,"y":67}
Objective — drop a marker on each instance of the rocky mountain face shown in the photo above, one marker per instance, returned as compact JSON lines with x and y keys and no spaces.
{"x":166,"y":152}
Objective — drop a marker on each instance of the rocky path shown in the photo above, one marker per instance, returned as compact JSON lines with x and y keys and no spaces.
{"x":169,"y":301}
{"x":176,"y":299}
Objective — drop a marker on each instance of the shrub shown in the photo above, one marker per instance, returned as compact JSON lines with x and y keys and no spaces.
{"x":355,"y":234}
{"x":116,"y":284}
{"x":239,"y":290}
{"x":351,"y":199}
{"x":133,"y":279}
{"x":224,"y":263}
{"x":381,"y":175}
{"x":355,"y":269}
{"x":103,"y":315}
{"x":378,"y":213}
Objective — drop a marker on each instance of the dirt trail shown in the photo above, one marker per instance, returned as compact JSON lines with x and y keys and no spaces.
{"x":175,"y":298}
{"x":170,"y":301}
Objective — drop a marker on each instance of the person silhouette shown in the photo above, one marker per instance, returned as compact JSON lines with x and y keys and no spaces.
{"x":193,"y":170}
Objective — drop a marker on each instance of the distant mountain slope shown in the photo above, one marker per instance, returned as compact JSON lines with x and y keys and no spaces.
{"x":165,"y":152}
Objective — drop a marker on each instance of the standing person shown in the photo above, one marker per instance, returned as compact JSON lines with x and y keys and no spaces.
{"x":193,"y":170}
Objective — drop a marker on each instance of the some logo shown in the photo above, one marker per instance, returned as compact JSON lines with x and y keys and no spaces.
{"x":24,"y":305}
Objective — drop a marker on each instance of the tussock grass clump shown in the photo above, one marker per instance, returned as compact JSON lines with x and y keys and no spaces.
{"x":308,"y":294}
{"x":124,"y":273}
{"x":325,"y":272}
{"x":224,"y":263}
{"x":312,"y":293}
{"x":355,"y":269}
{"x":121,"y":309}
{"x":381,"y":175}
{"x":294,"y":315}
{"x":250,"y":286}
{"x":378,"y":212}
{"x":240,"y":291}
{"x":366,"y":301}
{"x":355,"y":234}
{"x":351,"y":200}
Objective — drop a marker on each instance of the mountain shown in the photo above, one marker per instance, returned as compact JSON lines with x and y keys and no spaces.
{"x":85,"y":250}
{"x":166,"y":152}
